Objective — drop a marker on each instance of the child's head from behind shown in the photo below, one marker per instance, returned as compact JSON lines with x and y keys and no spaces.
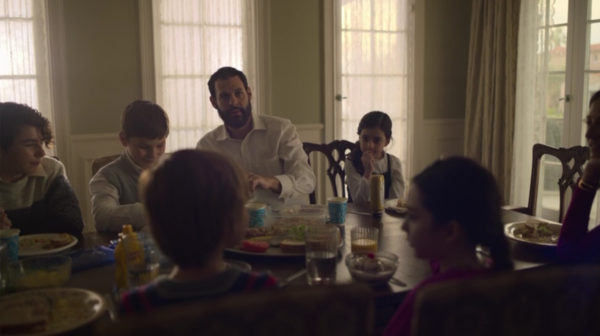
{"x":144,"y":129}
{"x":23,"y":132}
{"x":455,"y":200}
{"x":195,"y":204}
{"x":374,"y":132}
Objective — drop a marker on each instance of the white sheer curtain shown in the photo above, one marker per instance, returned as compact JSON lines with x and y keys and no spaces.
{"x":192,"y":39}
{"x":530,"y":114}
{"x":24,"y":75}
{"x":376,"y":37}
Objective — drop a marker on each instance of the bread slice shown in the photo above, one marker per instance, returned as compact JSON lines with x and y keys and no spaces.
{"x":292,"y":246}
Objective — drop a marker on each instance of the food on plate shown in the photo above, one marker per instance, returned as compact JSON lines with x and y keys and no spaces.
{"x":537,"y":231}
{"x":261,"y":238}
{"x":292,"y":246}
{"x":254,"y":246}
{"x":24,"y":316}
{"x":401,"y":203}
{"x":45,"y":243}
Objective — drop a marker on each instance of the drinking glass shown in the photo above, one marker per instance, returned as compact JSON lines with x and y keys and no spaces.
{"x":364,"y":239}
{"x":321,"y":250}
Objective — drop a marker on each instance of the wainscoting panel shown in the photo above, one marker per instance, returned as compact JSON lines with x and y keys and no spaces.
{"x":437,"y":138}
{"x":84,"y":149}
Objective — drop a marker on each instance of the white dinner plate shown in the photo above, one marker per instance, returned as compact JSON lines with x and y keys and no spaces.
{"x":396,"y":210}
{"x":62,"y":309}
{"x":45,"y":243}
{"x":271,"y":252}
{"x":511,"y":230}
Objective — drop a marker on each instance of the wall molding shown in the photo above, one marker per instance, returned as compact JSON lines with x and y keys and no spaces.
{"x":85,"y":148}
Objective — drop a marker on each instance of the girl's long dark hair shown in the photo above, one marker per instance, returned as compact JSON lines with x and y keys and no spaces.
{"x":458,"y":188}
{"x":373,"y":119}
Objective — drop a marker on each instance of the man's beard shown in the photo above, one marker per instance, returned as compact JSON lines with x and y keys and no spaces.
{"x":236,"y":121}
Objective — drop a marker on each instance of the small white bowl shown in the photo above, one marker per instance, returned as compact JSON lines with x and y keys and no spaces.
{"x":373,"y":268}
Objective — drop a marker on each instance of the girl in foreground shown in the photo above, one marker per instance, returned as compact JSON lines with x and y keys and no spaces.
{"x":368,"y":157}
{"x":453,"y":207}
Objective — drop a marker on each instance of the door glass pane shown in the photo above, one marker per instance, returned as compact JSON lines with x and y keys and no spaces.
{"x":594,"y":47}
{"x":559,"y":12}
{"x":595,"y":12}
{"x":551,"y":171}
{"x":557,"y":48}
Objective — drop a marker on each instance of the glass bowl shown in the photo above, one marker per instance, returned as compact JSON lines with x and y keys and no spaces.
{"x":38,"y":272}
{"x":373,"y":268}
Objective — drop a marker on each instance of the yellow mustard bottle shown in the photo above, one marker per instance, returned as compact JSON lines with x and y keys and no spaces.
{"x":121,"y":281}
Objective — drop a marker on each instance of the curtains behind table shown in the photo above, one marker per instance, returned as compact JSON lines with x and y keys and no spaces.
{"x":491,"y":78}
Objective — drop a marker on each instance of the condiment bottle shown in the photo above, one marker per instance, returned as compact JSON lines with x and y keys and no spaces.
{"x":377,"y":194}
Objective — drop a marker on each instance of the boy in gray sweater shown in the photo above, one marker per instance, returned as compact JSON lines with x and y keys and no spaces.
{"x":114,"y":189}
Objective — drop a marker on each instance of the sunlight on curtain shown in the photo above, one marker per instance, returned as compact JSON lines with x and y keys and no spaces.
{"x":23,"y":54}
{"x":192,"y":39}
{"x":374,"y":66}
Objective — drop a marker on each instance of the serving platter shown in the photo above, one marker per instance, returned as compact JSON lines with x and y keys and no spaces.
{"x":49,"y":311}
{"x":515,"y":230}
{"x":45,"y":243}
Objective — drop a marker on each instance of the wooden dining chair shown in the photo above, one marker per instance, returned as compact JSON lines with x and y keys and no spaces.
{"x":557,"y":300}
{"x":572,"y":161}
{"x":335,"y":152}
{"x":102,"y":161}
{"x":320,"y":310}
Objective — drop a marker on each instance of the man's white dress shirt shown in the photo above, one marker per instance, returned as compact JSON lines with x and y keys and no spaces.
{"x":271,"y":148}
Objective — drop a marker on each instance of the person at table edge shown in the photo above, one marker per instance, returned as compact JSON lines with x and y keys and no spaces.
{"x":35,"y":195}
{"x":575,"y":243}
{"x":267,"y":147}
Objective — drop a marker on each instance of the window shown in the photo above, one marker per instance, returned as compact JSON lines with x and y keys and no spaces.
{"x":373,"y":67}
{"x":558,"y":45}
{"x":23,"y":54}
{"x":192,"y":39}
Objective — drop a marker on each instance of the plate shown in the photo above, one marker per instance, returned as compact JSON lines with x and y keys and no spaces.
{"x":396,"y":210}
{"x":271,"y":252}
{"x":45,"y":243}
{"x":511,"y":230}
{"x":49,"y":311}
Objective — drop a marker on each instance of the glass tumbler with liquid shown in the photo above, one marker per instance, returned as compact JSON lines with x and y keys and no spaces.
{"x":322,"y":242}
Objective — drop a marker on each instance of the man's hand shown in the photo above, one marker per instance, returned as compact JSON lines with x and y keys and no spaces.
{"x":256,"y":181}
{"x":5,"y":222}
{"x":368,"y":160}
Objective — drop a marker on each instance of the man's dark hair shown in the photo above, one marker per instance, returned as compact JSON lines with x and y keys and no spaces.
{"x":13,"y":116}
{"x":225,"y":73}
{"x":144,"y":119}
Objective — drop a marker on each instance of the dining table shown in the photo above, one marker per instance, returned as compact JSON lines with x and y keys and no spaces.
{"x":410,"y":271}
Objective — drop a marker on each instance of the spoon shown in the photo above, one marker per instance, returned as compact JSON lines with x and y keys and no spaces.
{"x":397,"y":282}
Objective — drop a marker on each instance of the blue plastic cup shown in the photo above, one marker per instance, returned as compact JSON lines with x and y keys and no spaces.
{"x":256,"y":214}
{"x":337,"y":209}
{"x":11,"y":238}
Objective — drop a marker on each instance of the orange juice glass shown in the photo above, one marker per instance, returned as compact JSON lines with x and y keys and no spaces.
{"x":364,"y":239}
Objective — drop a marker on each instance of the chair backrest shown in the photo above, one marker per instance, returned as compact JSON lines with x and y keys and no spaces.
{"x":572,"y":160}
{"x":335,"y":152}
{"x":320,"y":310}
{"x":102,"y":161}
{"x":545,"y":301}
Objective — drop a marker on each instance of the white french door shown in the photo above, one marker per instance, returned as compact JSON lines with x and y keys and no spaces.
{"x":559,"y":50}
{"x":372,"y":67}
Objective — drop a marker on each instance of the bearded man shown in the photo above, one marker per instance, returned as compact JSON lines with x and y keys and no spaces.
{"x":267,"y":147}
